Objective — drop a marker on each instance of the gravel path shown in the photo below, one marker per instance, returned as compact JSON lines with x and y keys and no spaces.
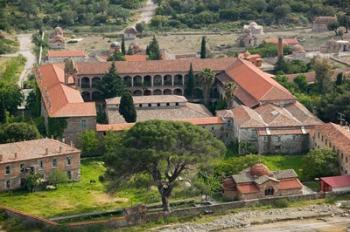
{"x":146,"y":12}
{"x":247,"y":218}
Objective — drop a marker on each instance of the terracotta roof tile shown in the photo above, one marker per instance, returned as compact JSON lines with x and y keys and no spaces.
{"x":133,"y":58}
{"x":258,"y":84}
{"x":33,"y":149}
{"x":276,"y":116}
{"x":247,"y":118}
{"x":66,"y":53}
{"x":247,"y":188}
{"x":59,"y":99}
{"x":155,"y":66}
{"x":287,"y":184}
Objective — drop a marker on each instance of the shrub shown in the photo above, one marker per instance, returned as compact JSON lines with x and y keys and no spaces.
{"x":280,"y":203}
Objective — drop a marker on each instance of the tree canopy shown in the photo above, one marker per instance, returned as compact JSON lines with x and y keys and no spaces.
{"x":127,"y":108}
{"x":153,"y":50}
{"x":18,"y":131}
{"x":206,"y":79}
{"x":111,"y":84}
{"x":162,"y":149}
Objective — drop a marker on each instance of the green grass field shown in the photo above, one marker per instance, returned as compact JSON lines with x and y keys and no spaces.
{"x":80,"y":197}
{"x":11,"y":68}
{"x":76,"y":197}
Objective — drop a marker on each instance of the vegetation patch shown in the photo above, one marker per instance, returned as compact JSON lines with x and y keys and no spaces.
{"x":11,"y":68}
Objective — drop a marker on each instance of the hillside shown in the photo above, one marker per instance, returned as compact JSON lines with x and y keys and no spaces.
{"x":203,"y":13}
{"x":34,"y":14}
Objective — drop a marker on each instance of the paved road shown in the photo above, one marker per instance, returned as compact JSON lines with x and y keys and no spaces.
{"x":331,"y":224}
{"x":26,"y":50}
{"x":146,"y":13}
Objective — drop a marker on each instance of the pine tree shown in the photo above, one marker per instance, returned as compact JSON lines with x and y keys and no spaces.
{"x":111,"y":84}
{"x":203,"y":48}
{"x":154,"y":50}
{"x":190,"y":82}
{"x":123,"y":46}
{"x":127,"y":108}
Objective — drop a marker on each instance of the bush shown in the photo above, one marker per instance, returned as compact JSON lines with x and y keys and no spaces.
{"x":280,"y":203}
{"x":57,"y":177}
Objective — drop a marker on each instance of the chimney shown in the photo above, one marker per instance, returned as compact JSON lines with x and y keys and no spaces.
{"x":15,"y":156}
{"x":63,"y":140}
{"x":46,"y":151}
{"x":60,"y":149}
{"x":71,"y":143}
{"x":280,"y":48}
{"x":1,"y":158}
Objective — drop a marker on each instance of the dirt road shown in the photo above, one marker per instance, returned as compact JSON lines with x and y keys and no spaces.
{"x":146,"y":13}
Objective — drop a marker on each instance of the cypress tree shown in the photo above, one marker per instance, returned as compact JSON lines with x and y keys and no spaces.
{"x":203,"y":48}
{"x":2,"y":112}
{"x":190,"y":82}
{"x":123,"y":46}
{"x":154,"y":50}
{"x":111,"y":84}
{"x":127,"y":108}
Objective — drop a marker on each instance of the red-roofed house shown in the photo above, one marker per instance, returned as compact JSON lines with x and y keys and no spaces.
{"x":61,"y":100}
{"x":335,"y":184}
{"x":259,"y":182}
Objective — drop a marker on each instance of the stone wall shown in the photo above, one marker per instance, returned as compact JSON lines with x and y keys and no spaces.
{"x":77,"y":125}
{"x":285,"y":144}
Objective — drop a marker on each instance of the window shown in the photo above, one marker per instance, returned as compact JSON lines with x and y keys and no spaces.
{"x":41,"y":164}
{"x":278,"y":139}
{"x":54,"y":163}
{"x":7,"y":170}
{"x":318,"y":134}
{"x":346,"y":159}
{"x":177,"y":104}
{"x":322,"y":138}
{"x":158,"y":104}
{"x":83,"y":124}
{"x":265,"y":139}
{"x":140,"y":105}
{"x":149,"y":105}
{"x":21,"y":167}
{"x":269,"y":191}
{"x":8,"y":184}
{"x":69,"y":175}
{"x":69,"y":160}
{"x":294,"y":137}
{"x":168,"y":104}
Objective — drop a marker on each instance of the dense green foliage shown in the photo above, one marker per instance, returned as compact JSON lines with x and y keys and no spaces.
{"x":164,"y":150}
{"x":199,"y":13}
{"x":153,"y":50}
{"x":127,"y":108}
{"x":116,"y":56}
{"x":90,"y":144}
{"x":31,"y":14}
{"x":206,"y":78}
{"x":320,"y":163}
{"x":203,"y":51}
{"x":18,"y":131}
{"x":269,"y":50}
{"x":56,"y":127}
{"x":111,"y":84}
{"x":190,"y":83}
{"x":7,"y":46}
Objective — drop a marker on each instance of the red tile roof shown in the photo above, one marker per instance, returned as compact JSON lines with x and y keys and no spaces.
{"x":256,"y":83}
{"x":338,"y":135}
{"x":66,"y":53}
{"x":286,"y":184}
{"x":337,"y":181}
{"x":133,"y":58}
{"x":155,"y":66}
{"x":33,"y":149}
{"x":59,"y":99}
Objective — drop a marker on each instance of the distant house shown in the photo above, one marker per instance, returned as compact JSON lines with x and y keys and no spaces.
{"x":259,"y":182}
{"x":254,"y":58}
{"x":130,"y":33}
{"x":254,"y":28}
{"x":58,"y":56}
{"x":320,"y":23}
{"x":56,"y":39}
{"x":43,"y":156}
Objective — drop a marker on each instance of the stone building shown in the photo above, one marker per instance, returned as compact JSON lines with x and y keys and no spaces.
{"x":254,"y":28}
{"x":61,"y":101}
{"x":43,"y":156}
{"x":259,"y":182}
{"x":320,"y":23}
{"x":130,"y":33}
{"x":56,"y":39}
{"x":59,"y":56}
{"x":334,"y":137}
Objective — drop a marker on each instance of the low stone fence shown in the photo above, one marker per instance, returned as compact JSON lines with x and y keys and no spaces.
{"x":117,"y":222}
{"x":27,"y":218}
